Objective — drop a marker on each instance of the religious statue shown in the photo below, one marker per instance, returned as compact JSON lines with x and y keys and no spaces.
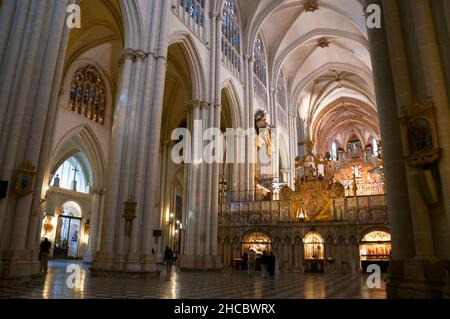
{"x":268,"y":138}
{"x":56,"y":181}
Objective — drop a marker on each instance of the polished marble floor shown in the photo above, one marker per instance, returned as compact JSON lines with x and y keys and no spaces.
{"x":228,"y":284}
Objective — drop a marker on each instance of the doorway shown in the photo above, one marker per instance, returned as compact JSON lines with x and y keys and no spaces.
{"x":68,"y":232}
{"x":314,"y":253}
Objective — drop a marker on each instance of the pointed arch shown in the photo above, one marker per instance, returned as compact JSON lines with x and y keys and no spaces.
{"x":195,"y":64}
{"x":234,"y":103}
{"x":81,"y":139}
{"x":132,"y":24}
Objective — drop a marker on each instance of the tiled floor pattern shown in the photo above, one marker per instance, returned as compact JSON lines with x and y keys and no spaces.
{"x":197,"y":285}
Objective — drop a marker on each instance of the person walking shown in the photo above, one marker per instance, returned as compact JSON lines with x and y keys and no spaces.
{"x":251,"y":262}
{"x":168,"y":260}
{"x":44,"y":252}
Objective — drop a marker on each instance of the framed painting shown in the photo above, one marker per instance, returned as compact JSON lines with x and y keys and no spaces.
{"x":25,"y":179}
{"x":419,"y":133}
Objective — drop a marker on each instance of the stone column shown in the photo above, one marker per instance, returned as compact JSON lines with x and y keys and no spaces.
{"x":292,"y":145}
{"x":276,"y":153}
{"x":164,"y":194}
{"x":97,"y":195}
{"x":434,"y":81}
{"x":33,"y":41}
{"x":128,"y":244}
{"x":398,"y":204}
{"x":216,"y":110}
{"x":201,"y":219}
{"x":250,"y":168}
{"x":213,"y":221}
{"x":191,"y":200}
{"x":404,"y":96}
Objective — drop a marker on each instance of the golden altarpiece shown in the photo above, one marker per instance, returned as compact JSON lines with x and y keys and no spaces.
{"x":319,"y":225}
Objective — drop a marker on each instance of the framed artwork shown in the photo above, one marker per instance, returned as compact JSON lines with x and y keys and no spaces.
{"x":25,"y":179}
{"x":419,"y":133}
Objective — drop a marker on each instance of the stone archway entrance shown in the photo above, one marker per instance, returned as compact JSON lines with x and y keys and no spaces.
{"x":68,"y":232}
{"x":314,"y":253}
{"x":257,"y":241}
{"x":375,"y":248}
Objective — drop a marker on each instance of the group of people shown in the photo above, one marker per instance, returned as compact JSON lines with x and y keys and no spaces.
{"x":268,"y":262}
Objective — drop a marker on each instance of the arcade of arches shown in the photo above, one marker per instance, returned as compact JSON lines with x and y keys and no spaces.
{"x":353,"y":153}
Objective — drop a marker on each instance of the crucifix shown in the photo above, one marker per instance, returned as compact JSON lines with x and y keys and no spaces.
{"x":74,"y":182}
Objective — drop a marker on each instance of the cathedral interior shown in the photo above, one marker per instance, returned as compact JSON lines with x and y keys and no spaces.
{"x":348,"y":170}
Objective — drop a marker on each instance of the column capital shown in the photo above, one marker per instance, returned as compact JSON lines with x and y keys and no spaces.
{"x":193,"y":105}
{"x":249,"y":57}
{"x":204,"y":105}
{"x":133,"y":55}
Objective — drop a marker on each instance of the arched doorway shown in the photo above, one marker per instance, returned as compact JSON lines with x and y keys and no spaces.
{"x":314,"y":252}
{"x":173,"y":192}
{"x":258,"y":241}
{"x":375,"y":248}
{"x":68,"y":231}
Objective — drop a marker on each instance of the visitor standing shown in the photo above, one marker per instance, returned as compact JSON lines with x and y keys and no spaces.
{"x":43,"y":255}
{"x":168,"y":259}
{"x":264,"y":264}
{"x":251,"y":262}
{"x":272,"y":263}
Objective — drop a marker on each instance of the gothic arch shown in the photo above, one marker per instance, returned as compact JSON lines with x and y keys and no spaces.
{"x":132,"y":22}
{"x":234,"y":103}
{"x":281,"y":57}
{"x":86,"y":142}
{"x":371,"y":229}
{"x":199,"y":90}
{"x":364,"y":74}
{"x":257,"y":21}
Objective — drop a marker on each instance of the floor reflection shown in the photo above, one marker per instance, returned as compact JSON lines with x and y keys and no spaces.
{"x":227,"y":284}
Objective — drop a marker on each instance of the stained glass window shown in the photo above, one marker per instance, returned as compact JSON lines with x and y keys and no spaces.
{"x":231,"y":36}
{"x":88,"y":94}
{"x":260,"y":72}
{"x":196,"y":9}
{"x":281,"y":91}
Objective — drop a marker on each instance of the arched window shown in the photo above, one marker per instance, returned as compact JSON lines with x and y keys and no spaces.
{"x":71,"y":175}
{"x":281,"y":91}
{"x":88,"y":94}
{"x":231,"y":37}
{"x":334,"y":155}
{"x":260,"y":73}
{"x":375,"y":147}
